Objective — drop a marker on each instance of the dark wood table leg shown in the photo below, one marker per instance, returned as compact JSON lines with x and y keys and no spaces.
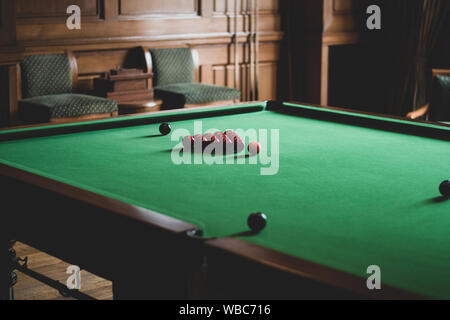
{"x":161,"y":279}
{"x":169,"y":273}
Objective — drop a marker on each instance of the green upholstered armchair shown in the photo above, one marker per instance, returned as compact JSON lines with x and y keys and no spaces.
{"x":47,"y":82}
{"x":174,"y":80}
{"x":438,"y":109}
{"x":440,"y":103}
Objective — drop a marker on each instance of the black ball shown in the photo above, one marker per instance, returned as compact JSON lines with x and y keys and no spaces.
{"x":444,"y":188}
{"x":257,"y":221}
{"x":165,"y":129}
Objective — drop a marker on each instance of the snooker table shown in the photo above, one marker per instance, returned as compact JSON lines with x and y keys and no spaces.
{"x":351,"y":190}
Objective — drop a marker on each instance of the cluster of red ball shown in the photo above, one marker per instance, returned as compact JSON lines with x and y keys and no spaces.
{"x":229,"y":141}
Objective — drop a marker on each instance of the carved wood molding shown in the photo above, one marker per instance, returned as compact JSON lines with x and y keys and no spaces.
{"x":339,"y":16}
{"x":7,"y":23}
{"x":343,"y":7}
{"x":156,"y":41}
{"x":54,"y":11}
{"x":142,"y":9}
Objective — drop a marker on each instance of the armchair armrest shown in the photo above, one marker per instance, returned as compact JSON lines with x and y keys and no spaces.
{"x":419,"y":112}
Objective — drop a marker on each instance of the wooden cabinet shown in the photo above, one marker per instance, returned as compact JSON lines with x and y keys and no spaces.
{"x":314,"y":27}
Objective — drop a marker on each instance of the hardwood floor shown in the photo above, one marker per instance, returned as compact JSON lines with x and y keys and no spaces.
{"x":29,"y":289}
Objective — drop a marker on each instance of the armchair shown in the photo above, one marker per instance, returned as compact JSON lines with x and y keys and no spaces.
{"x":439,"y":107}
{"x":47,"y":85}
{"x":175,"y":73}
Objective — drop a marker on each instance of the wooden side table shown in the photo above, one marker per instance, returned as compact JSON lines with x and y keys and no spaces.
{"x":141,"y":106}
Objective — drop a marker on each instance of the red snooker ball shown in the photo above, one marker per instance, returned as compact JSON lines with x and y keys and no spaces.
{"x":230,"y":134}
{"x":254,"y":148}
{"x":188,"y":141}
{"x":209,"y":137}
{"x":239,"y":144}
{"x":198,"y":138}
{"x":226,"y":139}
{"x":219,"y":136}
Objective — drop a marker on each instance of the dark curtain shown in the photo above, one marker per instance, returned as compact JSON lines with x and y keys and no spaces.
{"x":412,"y":31}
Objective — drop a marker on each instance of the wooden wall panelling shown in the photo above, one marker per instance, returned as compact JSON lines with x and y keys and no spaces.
{"x":324,"y":75}
{"x":142,"y":29}
{"x":14,"y":91}
{"x":97,"y":62}
{"x":54,"y":11}
{"x":312,"y":71}
{"x":217,"y":63}
{"x":339,"y":15}
{"x":317,"y":25}
{"x":206,"y":8}
{"x":112,"y":28}
{"x":222,"y":7}
{"x":223,"y":75}
{"x":7,"y":23}
{"x":206,"y":73}
{"x":110,"y":10}
{"x":4,"y":95}
{"x":94,"y":63}
{"x":220,"y":75}
{"x":268,"y":80}
{"x":217,"y":67}
{"x":340,"y":28}
{"x":244,"y":85}
{"x":140,"y":9}
{"x":227,"y":6}
{"x":229,"y":76}
{"x":10,"y":56}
